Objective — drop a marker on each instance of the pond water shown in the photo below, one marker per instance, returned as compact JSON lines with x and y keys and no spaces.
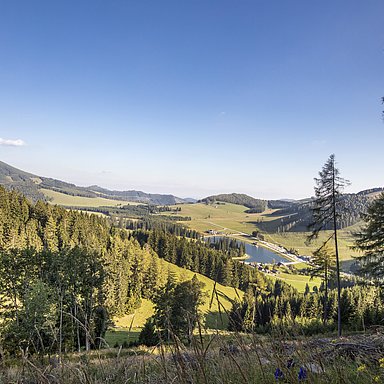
{"x":256,"y":253}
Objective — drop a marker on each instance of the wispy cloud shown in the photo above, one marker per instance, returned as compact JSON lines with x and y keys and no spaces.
{"x":12,"y":143}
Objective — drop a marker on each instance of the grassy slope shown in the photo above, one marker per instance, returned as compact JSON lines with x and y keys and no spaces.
{"x":79,"y":201}
{"x":128,"y":327}
{"x":296,"y":240}
{"x":230,"y":216}
{"x":212,"y":316}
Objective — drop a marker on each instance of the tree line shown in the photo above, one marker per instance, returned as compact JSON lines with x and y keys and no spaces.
{"x":78,"y":266}
{"x":159,"y":223}
{"x":209,"y":259}
{"x":279,"y":305}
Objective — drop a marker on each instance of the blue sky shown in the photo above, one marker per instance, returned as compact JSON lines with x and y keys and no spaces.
{"x":193,"y":97}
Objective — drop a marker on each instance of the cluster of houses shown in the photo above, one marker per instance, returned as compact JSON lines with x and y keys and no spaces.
{"x":266,"y":268}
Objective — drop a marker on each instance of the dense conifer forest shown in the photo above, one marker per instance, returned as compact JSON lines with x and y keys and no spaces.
{"x":79,"y":270}
{"x":279,"y":306}
{"x":82,"y":270}
{"x":85,"y":268}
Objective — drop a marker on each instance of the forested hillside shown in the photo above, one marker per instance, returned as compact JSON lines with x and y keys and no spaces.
{"x":211,"y":260}
{"x":296,"y":216}
{"x":130,"y":260}
{"x":81,"y":270}
{"x":255,"y":205}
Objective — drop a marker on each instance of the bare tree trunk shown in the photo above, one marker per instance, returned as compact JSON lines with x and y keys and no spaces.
{"x":325,"y":296}
{"x":77,"y":327}
{"x":61,"y":326}
{"x":338,"y":287}
{"x":87,"y":337}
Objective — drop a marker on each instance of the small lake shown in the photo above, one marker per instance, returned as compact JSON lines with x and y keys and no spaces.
{"x":256,"y":253}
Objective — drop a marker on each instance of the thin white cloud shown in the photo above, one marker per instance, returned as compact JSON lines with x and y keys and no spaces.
{"x":12,"y":143}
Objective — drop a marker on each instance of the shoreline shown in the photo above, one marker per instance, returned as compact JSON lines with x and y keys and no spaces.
{"x":245,"y":238}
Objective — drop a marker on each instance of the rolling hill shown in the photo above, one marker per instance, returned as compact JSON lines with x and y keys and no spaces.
{"x":34,"y":187}
{"x":295,"y":215}
{"x":254,"y":205}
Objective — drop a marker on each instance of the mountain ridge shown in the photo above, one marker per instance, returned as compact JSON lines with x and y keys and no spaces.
{"x":30,"y":185}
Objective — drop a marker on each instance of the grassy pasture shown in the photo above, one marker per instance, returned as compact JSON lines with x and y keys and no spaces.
{"x":298,"y":281}
{"x":297,"y":240}
{"x":226,"y":217}
{"x":80,"y":201}
{"x":119,"y":335}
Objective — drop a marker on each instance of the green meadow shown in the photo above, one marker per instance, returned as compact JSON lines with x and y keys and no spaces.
{"x":297,"y":240}
{"x":298,"y":281}
{"x":226,"y":218}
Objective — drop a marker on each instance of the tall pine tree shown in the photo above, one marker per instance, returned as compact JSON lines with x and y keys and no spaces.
{"x":327,"y":210}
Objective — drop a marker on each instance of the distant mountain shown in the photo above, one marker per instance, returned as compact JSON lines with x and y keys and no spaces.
{"x":190,"y":200}
{"x":137,"y":196}
{"x":283,"y":203}
{"x":26,"y":183}
{"x":30,"y":185}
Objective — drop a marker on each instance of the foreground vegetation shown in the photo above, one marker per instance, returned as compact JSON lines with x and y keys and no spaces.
{"x":216,"y":358}
{"x":80,"y":271}
{"x":65,"y":275}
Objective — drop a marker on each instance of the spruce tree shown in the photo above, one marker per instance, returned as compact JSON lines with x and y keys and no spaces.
{"x":323,"y":266}
{"x":327,"y":211}
{"x":370,"y":240}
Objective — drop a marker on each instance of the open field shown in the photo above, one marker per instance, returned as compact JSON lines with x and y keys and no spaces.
{"x":297,"y":240}
{"x":120,"y":335}
{"x":298,"y":281}
{"x":219,"y":216}
{"x":79,"y":201}
{"x":91,"y":212}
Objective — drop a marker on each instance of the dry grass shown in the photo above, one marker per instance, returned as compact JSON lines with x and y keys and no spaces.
{"x":215,"y":359}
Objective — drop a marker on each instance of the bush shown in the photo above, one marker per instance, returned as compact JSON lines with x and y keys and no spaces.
{"x":148,"y":335}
